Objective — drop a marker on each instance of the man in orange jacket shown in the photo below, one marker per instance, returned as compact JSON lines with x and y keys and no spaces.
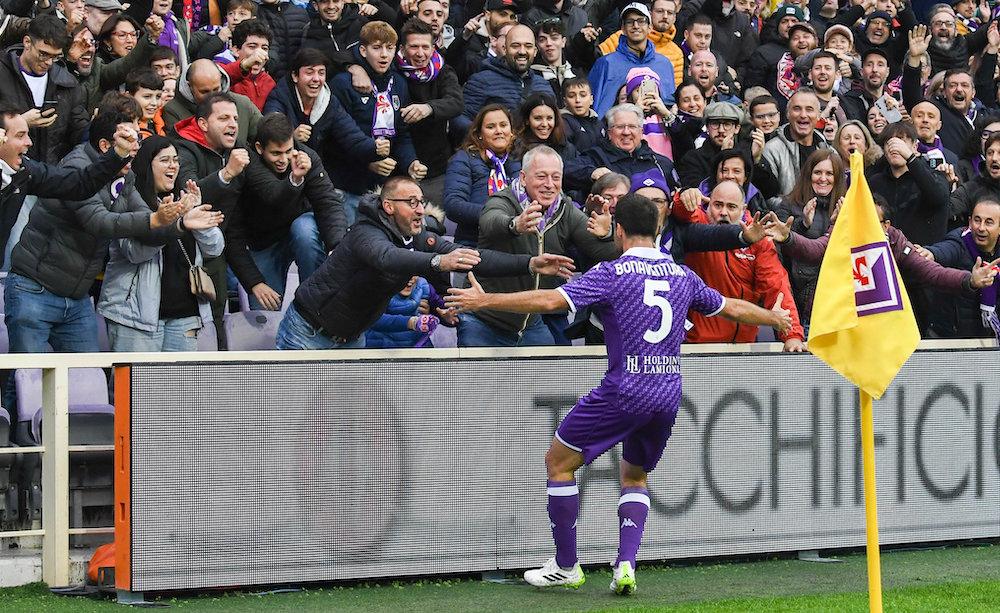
{"x":751,"y":273}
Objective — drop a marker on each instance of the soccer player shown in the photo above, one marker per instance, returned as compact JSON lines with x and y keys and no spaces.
{"x":642,"y":299}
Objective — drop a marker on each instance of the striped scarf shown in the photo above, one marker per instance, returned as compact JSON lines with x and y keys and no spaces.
{"x":420,"y":75}
{"x":498,"y":174}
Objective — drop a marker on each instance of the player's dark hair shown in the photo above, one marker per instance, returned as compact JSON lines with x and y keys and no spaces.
{"x":637,"y":215}
{"x":274,"y":128}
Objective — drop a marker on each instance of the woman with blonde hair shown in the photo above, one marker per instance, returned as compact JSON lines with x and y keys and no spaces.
{"x":854,"y":136}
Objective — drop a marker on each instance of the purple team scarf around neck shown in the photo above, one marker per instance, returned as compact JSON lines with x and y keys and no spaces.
{"x":421,"y":75}
{"x":987,"y":295}
{"x":923,"y":147}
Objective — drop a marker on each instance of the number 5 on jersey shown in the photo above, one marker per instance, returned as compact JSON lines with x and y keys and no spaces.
{"x":651,"y":295}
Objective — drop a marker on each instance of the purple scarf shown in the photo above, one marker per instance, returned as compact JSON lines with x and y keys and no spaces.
{"x":420,"y":75}
{"x":987,"y":295}
{"x":498,"y":174}
{"x":170,"y":37}
{"x":923,"y":147}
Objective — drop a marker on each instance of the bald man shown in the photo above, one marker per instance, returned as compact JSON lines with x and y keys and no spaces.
{"x":753,"y":273}
{"x":202,"y":78}
{"x":926,"y":118}
{"x":508,"y":78}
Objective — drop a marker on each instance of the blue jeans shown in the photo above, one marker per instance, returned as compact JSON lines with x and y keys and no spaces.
{"x":179,"y":334}
{"x":37,"y":319}
{"x":295,"y":332}
{"x":351,"y":202}
{"x":474,"y":332}
{"x":301,"y":245}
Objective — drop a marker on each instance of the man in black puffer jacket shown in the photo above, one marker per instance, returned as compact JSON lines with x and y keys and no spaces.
{"x":337,"y":24}
{"x":762,"y":67}
{"x":379,"y":255}
{"x":287,"y":22}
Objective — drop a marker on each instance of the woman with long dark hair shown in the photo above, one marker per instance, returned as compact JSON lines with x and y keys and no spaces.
{"x":813,"y":202}
{"x":146,"y":297}
{"x":484,"y":165}
{"x":540,"y":123}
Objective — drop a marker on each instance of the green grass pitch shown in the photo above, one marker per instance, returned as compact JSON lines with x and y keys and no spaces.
{"x":940,"y":580}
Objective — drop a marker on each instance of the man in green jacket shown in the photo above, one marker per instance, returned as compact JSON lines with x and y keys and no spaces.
{"x":531,"y":216}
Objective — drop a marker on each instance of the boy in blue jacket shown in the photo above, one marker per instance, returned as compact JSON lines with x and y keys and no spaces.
{"x":377,"y":114}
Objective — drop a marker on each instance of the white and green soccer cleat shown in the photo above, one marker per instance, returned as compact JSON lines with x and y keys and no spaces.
{"x":551,"y":575}
{"x":623,"y":579}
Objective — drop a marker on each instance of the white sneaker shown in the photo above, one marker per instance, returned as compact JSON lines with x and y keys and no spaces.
{"x":623,"y":579}
{"x":550,"y":575}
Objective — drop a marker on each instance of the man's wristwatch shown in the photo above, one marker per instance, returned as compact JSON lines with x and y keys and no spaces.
{"x":436,"y":263}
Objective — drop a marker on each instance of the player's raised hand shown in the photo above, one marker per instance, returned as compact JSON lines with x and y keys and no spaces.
{"x":782,"y":316}
{"x":552,"y":264}
{"x":753,"y":231}
{"x":468,"y":299}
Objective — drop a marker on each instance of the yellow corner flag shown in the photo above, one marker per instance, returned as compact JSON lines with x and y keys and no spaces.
{"x":863,"y":327}
{"x":862,"y":323}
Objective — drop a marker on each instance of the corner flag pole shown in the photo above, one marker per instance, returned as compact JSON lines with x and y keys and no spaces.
{"x":871,"y":507}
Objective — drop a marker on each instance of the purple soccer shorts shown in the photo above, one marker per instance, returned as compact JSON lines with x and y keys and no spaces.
{"x":592,"y":427}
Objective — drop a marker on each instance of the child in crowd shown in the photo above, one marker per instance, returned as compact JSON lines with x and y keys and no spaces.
{"x":407,"y":321}
{"x":642,"y":87}
{"x":583,"y":127}
{"x":212,"y":42}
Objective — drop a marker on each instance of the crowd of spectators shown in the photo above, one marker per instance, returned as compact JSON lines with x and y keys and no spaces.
{"x":152,"y":144}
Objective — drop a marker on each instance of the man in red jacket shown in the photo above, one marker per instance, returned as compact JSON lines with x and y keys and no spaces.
{"x":751,"y":273}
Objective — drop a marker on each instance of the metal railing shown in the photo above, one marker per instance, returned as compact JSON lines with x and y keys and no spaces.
{"x":55,"y":530}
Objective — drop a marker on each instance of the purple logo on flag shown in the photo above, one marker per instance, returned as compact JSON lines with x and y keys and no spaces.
{"x":876,"y":288}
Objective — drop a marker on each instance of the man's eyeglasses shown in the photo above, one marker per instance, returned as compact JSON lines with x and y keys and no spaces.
{"x":947,"y":24}
{"x":46,"y":56}
{"x":763,"y":116}
{"x":638,"y":21}
{"x":414,"y":203}
{"x":626,"y":127}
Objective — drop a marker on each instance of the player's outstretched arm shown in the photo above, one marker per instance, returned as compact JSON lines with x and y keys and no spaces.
{"x":474,"y":298}
{"x":748,"y":313}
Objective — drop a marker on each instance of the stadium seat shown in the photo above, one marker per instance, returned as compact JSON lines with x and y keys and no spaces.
{"x":91,"y":422}
{"x":252,"y":330}
{"x":8,"y":484}
{"x":208,"y":339}
{"x":444,"y":337}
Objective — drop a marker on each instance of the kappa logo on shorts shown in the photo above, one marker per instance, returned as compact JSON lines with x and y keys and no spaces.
{"x":876,"y":288}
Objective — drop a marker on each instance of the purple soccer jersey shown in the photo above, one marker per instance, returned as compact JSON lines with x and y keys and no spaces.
{"x":642,"y":300}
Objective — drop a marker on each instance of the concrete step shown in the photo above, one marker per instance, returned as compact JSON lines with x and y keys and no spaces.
{"x":23,"y":566}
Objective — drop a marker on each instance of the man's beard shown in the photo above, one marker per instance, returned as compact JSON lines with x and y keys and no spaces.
{"x":944,"y":43}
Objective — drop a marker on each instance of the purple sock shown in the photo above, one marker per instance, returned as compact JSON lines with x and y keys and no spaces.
{"x":633,"y":507}
{"x":564,"y":506}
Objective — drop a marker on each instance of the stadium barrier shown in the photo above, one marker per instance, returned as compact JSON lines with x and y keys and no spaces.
{"x":277,"y":467}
